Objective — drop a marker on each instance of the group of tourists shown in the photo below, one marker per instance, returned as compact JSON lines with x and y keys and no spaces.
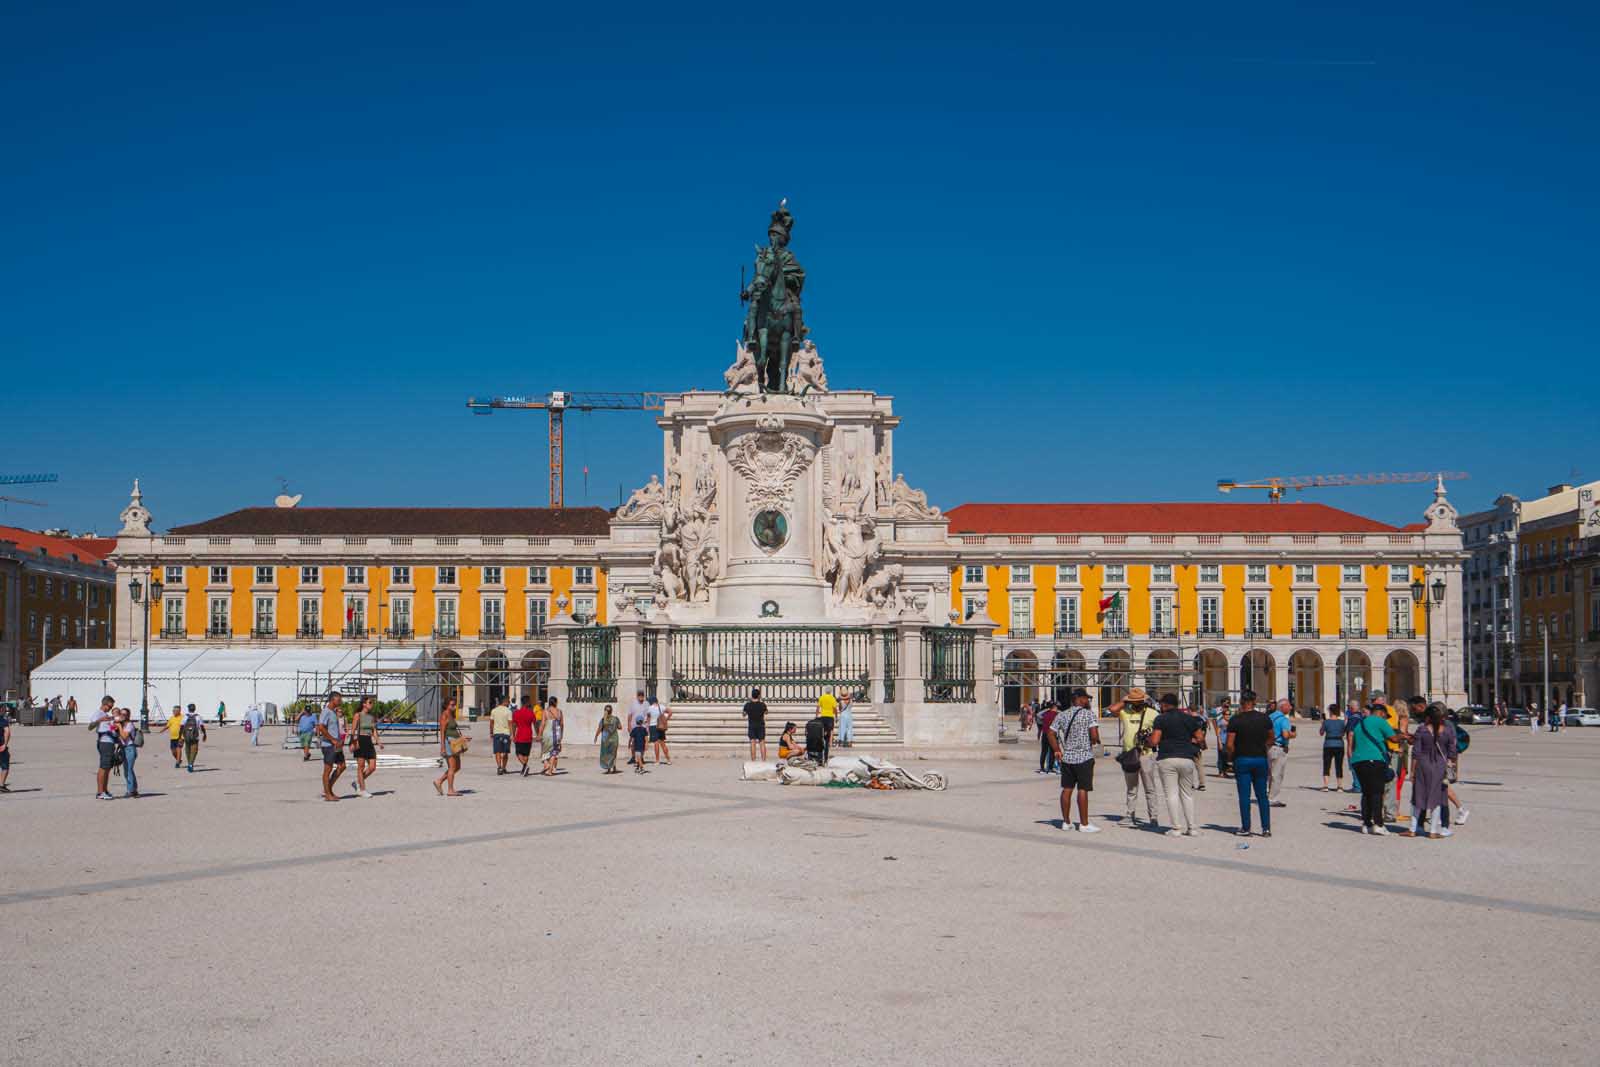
{"x":834,"y":721}
{"x":1161,"y":749}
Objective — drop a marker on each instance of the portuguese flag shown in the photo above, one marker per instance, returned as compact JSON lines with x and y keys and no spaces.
{"x":1110,"y":602}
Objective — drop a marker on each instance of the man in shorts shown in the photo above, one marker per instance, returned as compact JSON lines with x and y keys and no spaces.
{"x":524,"y":721}
{"x":755,"y":714}
{"x":827,"y":711}
{"x":1073,"y":737}
{"x":306,"y":728}
{"x":175,"y":736}
{"x":500,"y":735}
{"x":330,"y":734}
{"x":194,"y":732}
{"x":105,"y":742}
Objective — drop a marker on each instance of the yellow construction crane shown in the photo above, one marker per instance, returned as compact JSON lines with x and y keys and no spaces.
{"x":1275,"y":486}
{"x":558,"y":404}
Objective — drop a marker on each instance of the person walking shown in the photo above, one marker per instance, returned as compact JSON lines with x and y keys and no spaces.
{"x":104,"y":727}
{"x":524,"y":724}
{"x":5,"y":750}
{"x":847,"y":721}
{"x":663,"y":752}
{"x":1283,"y":731}
{"x":827,"y":711}
{"x":1177,"y":736}
{"x":1369,"y":766}
{"x":637,"y":734}
{"x":367,"y":744}
{"x":252,"y":724}
{"x":1219,"y":716}
{"x":1073,"y":735}
{"x":653,"y":722}
{"x":1025,"y":718}
{"x":1533,"y":718}
{"x":755,"y":724}
{"x":1138,"y":758}
{"x":305,"y":729}
{"x":1560,"y":719}
{"x":1249,"y":738}
{"x":500,"y":735}
{"x":1333,"y":743}
{"x":330,"y":735}
{"x":175,"y":736}
{"x":550,"y":734}
{"x":131,"y":737}
{"x":222,"y":714}
{"x":451,"y":747}
{"x":607,"y":733}
{"x":1433,"y":748}
{"x":194,"y":732}
{"x":72,"y":710}
{"x":1046,"y":720}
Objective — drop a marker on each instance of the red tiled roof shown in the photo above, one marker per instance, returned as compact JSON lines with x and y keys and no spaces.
{"x":406,"y":522}
{"x":83,"y":550}
{"x":1210,"y":518}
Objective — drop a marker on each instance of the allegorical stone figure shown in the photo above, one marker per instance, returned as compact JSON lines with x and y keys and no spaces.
{"x":773,"y":326}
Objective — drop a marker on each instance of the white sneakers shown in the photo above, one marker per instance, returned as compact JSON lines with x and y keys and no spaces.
{"x":1377,"y":831}
{"x":1088,"y":828}
{"x":1461,"y":817}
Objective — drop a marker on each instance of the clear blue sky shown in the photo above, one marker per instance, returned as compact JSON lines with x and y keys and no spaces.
{"x":1095,"y":252}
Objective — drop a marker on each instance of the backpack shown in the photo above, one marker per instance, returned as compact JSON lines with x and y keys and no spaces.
{"x":138,"y":737}
{"x":816,"y":735}
{"x":191,"y":730}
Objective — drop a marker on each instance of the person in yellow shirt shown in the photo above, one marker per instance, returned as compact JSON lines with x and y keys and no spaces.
{"x":827,"y":711}
{"x":1399,"y":719}
{"x":174,"y":741}
{"x":1138,"y":719}
{"x":500,"y":735}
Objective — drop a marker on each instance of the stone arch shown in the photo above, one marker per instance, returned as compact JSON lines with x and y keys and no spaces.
{"x":1401,"y":678}
{"x":1305,"y":680}
{"x":1069,"y":670}
{"x":1163,"y":675}
{"x":1019,"y":681}
{"x":447,"y":673}
{"x":1352,"y":676}
{"x":1115,"y":675}
{"x":491,"y":678}
{"x":1211,"y":676}
{"x":534,"y":679}
{"x":1258,"y":671}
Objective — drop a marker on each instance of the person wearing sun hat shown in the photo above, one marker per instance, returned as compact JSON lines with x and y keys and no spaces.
{"x":1138,"y":758}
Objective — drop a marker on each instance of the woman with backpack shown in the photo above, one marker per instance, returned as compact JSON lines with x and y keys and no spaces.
{"x":132,"y":740}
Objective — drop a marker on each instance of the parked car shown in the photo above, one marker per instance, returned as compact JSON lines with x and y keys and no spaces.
{"x":1582,"y":717}
{"x":1474,"y":714}
{"x":1516,"y":716}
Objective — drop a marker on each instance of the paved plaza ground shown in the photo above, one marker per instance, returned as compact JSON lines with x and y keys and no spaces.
{"x":684,"y":916}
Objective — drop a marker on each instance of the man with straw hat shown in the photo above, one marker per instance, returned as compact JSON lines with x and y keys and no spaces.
{"x":1138,"y":757}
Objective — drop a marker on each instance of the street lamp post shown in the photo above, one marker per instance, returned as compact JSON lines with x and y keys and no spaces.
{"x":136,"y":591}
{"x":1420,"y":594}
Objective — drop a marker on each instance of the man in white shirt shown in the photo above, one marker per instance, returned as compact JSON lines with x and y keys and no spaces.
{"x":330,"y":732}
{"x":653,"y":726}
{"x":105,"y":740}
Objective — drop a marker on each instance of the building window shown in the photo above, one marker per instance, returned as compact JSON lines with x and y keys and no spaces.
{"x":1255,"y":572}
{"x":355,"y":576}
{"x":494,"y":615}
{"x":266,"y":616}
{"x":583,"y":607}
{"x":538,"y":615}
{"x":1399,"y":574}
{"x":583,"y":576}
{"x":77,"y":589}
{"x":1355,"y":610}
{"x":1305,"y":614}
{"x":973,"y":609}
{"x":1021,"y":574}
{"x":1400,"y":613}
{"x":1068,"y":572}
{"x":218,"y":616}
{"x":310,"y":575}
{"x":538,"y":575}
{"x":311,"y":615}
{"x":219,"y":576}
{"x":174,"y":576}
{"x":49,"y":588}
{"x":1021,"y":615}
{"x":1304,"y":573}
{"x":446,"y":575}
{"x":1067,"y":614}
{"x":449,"y":624}
{"x":1161,"y":572}
{"x":1351,"y":574}
{"x":355,"y":615}
{"x":1527,"y":626}
{"x":1210,"y":572}
{"x":1210,"y":615}
{"x":1161,"y":621}
{"x":33,"y":624}
{"x":1116,"y":573}
{"x":172,"y":616}
{"x":94,"y":596}
{"x":400,"y":575}
{"x":263,"y":575}
{"x":400,"y":615}
{"x":1255,"y":614}
{"x":492,"y":576}
{"x":1115,"y":618}
{"x":33,"y":585}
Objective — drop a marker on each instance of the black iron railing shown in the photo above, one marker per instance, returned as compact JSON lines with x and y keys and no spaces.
{"x":1163,"y":631}
{"x":650,"y":653}
{"x":1209,"y":631}
{"x":1073,"y":632}
{"x":398,"y":633}
{"x":1258,"y":631}
{"x":354,"y":633}
{"x":1397,"y":633}
{"x":1307,"y":631}
{"x":891,"y":663}
{"x":492,"y":633}
{"x":448,"y":632}
{"x":592,"y":653}
{"x":308,"y":632}
{"x":1353,"y":633}
{"x":790,"y":664}
{"x":170,"y":632}
{"x":537,"y":628}
{"x":264,"y":633}
{"x":218,"y":633}
{"x":1114,"y":632}
{"x":949,"y":669}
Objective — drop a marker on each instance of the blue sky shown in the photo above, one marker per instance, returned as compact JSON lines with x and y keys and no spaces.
{"x":1095,"y":252}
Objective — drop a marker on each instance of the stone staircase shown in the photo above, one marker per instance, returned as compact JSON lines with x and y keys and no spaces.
{"x":718,"y":724}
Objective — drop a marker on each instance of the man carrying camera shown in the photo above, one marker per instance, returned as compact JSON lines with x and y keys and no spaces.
{"x":1072,"y":737}
{"x":1138,"y":757}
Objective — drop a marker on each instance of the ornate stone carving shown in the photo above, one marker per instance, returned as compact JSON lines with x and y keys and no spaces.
{"x":705,"y":485}
{"x":853,"y":493}
{"x":882,"y":587}
{"x":742,"y":376}
{"x":135,"y":517}
{"x":883,"y":481}
{"x":910,"y":503}
{"x":645,"y":503}
{"x":850,"y":548}
{"x":770,"y":460}
{"x":688,"y":561}
{"x":805,"y":372}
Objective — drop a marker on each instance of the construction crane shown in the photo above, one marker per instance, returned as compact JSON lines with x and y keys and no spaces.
{"x":1275,"y":486}
{"x":558,"y":404}
{"x":25,"y":479}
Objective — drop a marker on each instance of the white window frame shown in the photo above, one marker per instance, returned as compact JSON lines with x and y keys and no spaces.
{"x":212,"y":614}
{"x":400,"y":575}
{"x":310,"y":574}
{"x":1211,"y":573}
{"x":355,"y":574}
{"x":400,"y":613}
{"x":1305,"y":573}
{"x":538,"y":575}
{"x":493,"y":575}
{"x":538,"y":609}
{"x":447,"y":615}
{"x":1021,"y":609}
{"x":265,"y":576}
{"x":314,"y":615}
{"x":973,"y":608}
{"x":1068,"y":615}
{"x":1350,"y":574}
{"x":1162,"y":618}
{"x":1352,"y":618}
{"x":445,"y":575}
{"x":218,"y":575}
{"x":355,"y":611}
{"x":588,"y":607}
{"x":1399,"y":574}
{"x":1257,"y":614}
{"x":1066,"y":574}
{"x":174,"y":576}
{"x":1255,"y":573}
{"x":1116,"y":574}
{"x":583,"y":575}
{"x":1161,"y":572}
{"x":1115,"y":619}
{"x":1400,"y":611}
{"x":269,"y":617}
{"x":1021,"y":574}
{"x":492,"y":606}
{"x":1305,"y":613}
{"x":1211,"y":614}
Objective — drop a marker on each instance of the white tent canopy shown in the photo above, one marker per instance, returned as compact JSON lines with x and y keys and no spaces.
{"x":238,"y":677}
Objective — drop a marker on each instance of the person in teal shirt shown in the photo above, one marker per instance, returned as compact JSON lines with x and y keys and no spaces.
{"x":1369,"y":763}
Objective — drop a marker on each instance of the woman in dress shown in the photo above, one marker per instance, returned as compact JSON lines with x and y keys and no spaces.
{"x":1433,"y":747}
{"x":607,"y":733}
{"x":550,"y":739}
{"x":449,"y":733}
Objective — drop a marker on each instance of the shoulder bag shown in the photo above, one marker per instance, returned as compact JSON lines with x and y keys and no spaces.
{"x":1128,"y":759}
{"x":1388,"y":768}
